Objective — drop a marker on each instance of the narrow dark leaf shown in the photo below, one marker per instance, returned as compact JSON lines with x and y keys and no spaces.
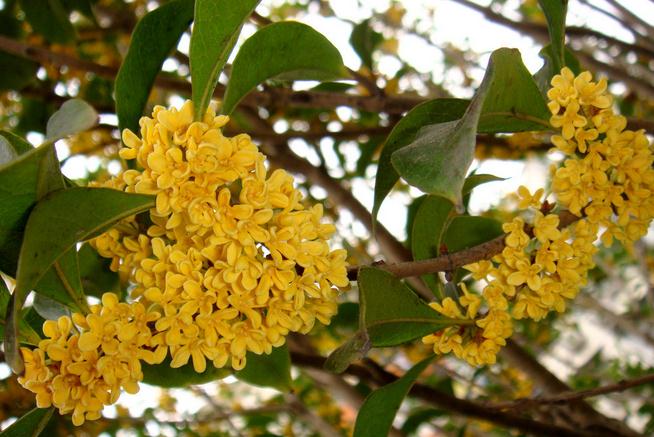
{"x":378,"y":410}
{"x":364,"y":40}
{"x":391,"y":312}
{"x":31,"y":424}
{"x":473,"y":181}
{"x":555,"y":12}
{"x":272,"y":370}
{"x":74,"y":116}
{"x":154,"y":37}
{"x":17,"y":144}
{"x":50,"y":19}
{"x":162,"y":375}
{"x":286,"y":50}
{"x":26,"y":334}
{"x":216,"y":27}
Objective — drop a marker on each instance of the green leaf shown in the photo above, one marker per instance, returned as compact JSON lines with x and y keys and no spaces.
{"x":391,"y":312}
{"x":50,"y":19}
{"x":26,"y":334}
{"x":62,"y":283}
{"x":95,"y":274}
{"x":20,"y":180}
{"x":543,"y":77}
{"x":216,"y":27}
{"x":7,"y":151}
{"x":17,"y":72}
{"x":364,"y":40}
{"x":12,"y":145}
{"x":287,"y":50}
{"x":355,"y":348}
{"x":378,"y":410}
{"x":431,"y":220}
{"x":473,"y":181}
{"x":162,"y":375}
{"x":555,"y":12}
{"x":466,"y":231}
{"x":48,"y":308}
{"x":521,"y":109}
{"x":420,"y":416}
{"x":272,"y":370}
{"x":403,"y":133}
{"x":74,"y":116}
{"x":31,"y":424}
{"x":51,"y":231}
{"x":154,"y":37}
{"x":438,"y":158}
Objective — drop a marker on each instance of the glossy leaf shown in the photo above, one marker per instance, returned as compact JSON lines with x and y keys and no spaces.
{"x":403,"y":133}
{"x":21,"y":182}
{"x":475,"y":180}
{"x":355,"y":348}
{"x":162,"y":375}
{"x":521,"y":109}
{"x":438,"y":158}
{"x":95,"y":274}
{"x":216,"y":27}
{"x":48,"y":308}
{"x":154,"y":37}
{"x":272,"y":370}
{"x":26,"y":334}
{"x":376,"y":415}
{"x":17,"y":72}
{"x":285,"y":50}
{"x":12,"y":145}
{"x":51,"y":230}
{"x":391,"y":312}
{"x":364,"y":40}
{"x":50,"y":19}
{"x":432,"y":218}
{"x":467,"y":231}
{"x":544,"y":76}
{"x":31,"y":424}
{"x":74,"y":116}
{"x":555,"y":12}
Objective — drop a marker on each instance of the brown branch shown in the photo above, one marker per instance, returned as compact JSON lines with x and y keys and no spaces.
{"x":569,"y":396}
{"x":454,"y":260}
{"x":277,"y":97}
{"x":379,"y":376}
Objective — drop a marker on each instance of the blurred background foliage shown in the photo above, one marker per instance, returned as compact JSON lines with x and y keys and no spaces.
{"x":330,"y":136}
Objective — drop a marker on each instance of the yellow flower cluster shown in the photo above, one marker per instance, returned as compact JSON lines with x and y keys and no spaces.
{"x":608,"y":175}
{"x":477,"y":343}
{"x":607,"y":179}
{"x":85,"y":361}
{"x":229,"y":261}
{"x":232,"y":259}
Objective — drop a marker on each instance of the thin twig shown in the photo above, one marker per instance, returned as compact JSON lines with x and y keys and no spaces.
{"x":570,"y":396}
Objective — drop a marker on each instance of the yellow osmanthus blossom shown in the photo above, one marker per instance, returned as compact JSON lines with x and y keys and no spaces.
{"x":607,"y":180}
{"x":232,"y":259}
{"x":229,"y":261}
{"x":85,"y":361}
{"x":608,"y":176}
